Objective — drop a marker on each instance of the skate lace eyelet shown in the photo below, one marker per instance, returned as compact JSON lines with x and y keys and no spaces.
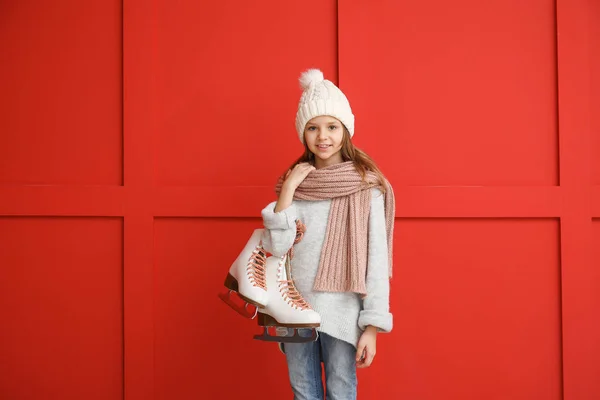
{"x":287,"y":288}
{"x":256,"y":267}
{"x":292,"y":296}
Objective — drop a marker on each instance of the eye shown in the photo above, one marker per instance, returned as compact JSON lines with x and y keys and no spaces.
{"x":332,"y":127}
{"x":311,"y":128}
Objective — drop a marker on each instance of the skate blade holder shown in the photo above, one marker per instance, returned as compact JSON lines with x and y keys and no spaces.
{"x":288,"y":334}
{"x":243,"y":306}
{"x":239,"y":303}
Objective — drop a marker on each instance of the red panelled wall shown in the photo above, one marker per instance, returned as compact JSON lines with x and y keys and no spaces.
{"x":61,"y":218}
{"x":140,"y":139}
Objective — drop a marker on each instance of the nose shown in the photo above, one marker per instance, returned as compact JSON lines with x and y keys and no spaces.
{"x":322,"y":133}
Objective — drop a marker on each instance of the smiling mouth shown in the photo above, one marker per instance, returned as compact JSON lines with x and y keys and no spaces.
{"x":323,"y":146}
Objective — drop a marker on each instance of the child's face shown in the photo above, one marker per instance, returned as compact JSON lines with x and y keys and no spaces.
{"x":323,"y":136}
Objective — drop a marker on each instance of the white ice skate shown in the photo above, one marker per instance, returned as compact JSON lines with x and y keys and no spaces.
{"x":246,"y":277}
{"x":286,"y":311}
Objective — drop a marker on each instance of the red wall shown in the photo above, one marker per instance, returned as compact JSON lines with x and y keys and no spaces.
{"x":140,"y":139}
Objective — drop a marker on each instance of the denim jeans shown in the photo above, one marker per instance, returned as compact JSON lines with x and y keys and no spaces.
{"x":304,"y":368}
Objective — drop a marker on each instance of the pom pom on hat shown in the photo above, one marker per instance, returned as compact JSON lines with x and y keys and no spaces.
{"x":312,"y":76}
{"x":321,"y":97}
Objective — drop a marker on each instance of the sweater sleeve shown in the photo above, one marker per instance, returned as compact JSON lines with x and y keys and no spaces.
{"x":376,"y":305}
{"x":280,"y":229}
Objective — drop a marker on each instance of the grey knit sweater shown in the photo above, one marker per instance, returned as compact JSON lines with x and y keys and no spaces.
{"x":343,"y":315}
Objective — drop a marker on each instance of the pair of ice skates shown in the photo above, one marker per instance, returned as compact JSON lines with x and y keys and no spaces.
{"x":265,"y":285}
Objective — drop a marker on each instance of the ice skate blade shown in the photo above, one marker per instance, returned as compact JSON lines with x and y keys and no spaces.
{"x":294,"y":338}
{"x":267,"y":320}
{"x":245,"y":311}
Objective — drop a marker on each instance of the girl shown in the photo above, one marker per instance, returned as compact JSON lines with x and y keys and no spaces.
{"x":342,"y":265}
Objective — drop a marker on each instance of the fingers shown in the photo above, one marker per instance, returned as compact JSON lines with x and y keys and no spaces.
{"x":309,"y":169}
{"x":304,"y":167}
{"x":360,"y":352}
{"x":367,"y":358}
{"x":299,"y":173}
{"x":300,"y":169}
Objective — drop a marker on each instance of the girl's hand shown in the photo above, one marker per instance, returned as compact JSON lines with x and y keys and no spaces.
{"x":366,"y":348}
{"x":292,"y":180}
{"x":295,"y":176}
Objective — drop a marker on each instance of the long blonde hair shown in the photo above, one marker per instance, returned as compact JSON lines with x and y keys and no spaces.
{"x":362,"y":162}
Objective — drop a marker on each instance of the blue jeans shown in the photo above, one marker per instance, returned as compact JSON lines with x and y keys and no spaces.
{"x":304,"y":368}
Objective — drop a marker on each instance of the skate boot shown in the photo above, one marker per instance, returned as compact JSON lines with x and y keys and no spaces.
{"x":246,"y":278}
{"x":287,"y":313}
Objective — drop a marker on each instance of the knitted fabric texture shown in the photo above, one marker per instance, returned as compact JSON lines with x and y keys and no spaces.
{"x":343,"y":262}
{"x":321,"y":97}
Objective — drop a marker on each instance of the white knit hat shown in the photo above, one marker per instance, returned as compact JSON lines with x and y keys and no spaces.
{"x":321,"y":97}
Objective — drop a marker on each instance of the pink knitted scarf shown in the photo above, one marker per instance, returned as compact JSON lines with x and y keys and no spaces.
{"x":343,"y":262}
